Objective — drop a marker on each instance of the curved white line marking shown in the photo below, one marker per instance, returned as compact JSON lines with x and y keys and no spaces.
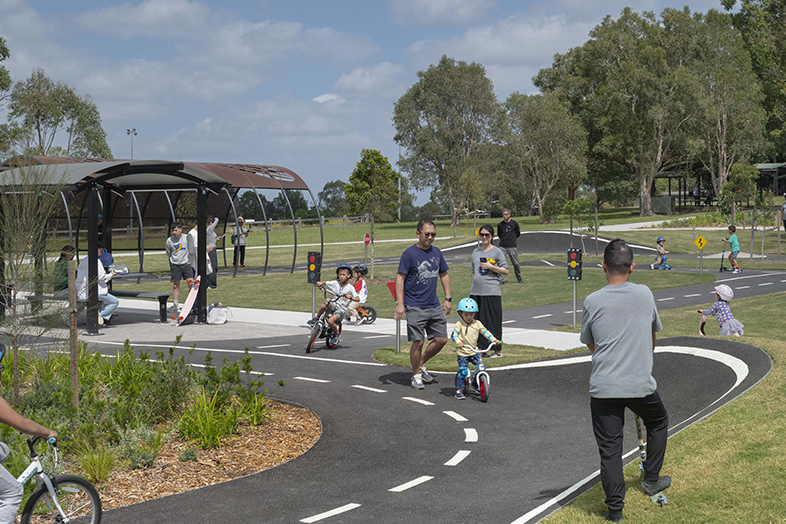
{"x":419,"y":401}
{"x":470,"y":435}
{"x":331,"y":513}
{"x":308,"y":379}
{"x":411,"y":484}
{"x":366,"y":388}
{"x":455,"y":416}
{"x":458,"y":457}
{"x":739,"y":367}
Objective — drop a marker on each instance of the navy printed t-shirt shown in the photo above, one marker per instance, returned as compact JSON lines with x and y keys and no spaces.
{"x":422,"y":269}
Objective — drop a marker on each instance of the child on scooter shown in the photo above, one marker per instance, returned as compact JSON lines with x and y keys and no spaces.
{"x":340,"y":287}
{"x":729,"y":326}
{"x":734,"y":249}
{"x":660,"y":263}
{"x":362,"y":290}
{"x":466,"y":333}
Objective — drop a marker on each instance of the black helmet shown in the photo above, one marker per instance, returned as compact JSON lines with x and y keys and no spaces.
{"x":360,"y":268}
{"x":343,"y":266}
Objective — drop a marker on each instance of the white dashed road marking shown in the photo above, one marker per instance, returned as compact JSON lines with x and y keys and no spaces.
{"x":743,"y":287}
{"x":455,"y":416}
{"x":419,"y":401}
{"x":379,"y":336}
{"x":470,"y":435}
{"x":767,"y":284}
{"x":411,"y":484}
{"x":508,"y":321}
{"x":544,"y":316}
{"x":458,"y":457}
{"x":547,"y":262}
{"x":275,"y":346}
{"x":331,"y":513}
{"x":577,"y":311}
{"x":366,"y":388}
{"x":693,"y":295}
{"x":665,"y":299}
{"x":307,"y":379}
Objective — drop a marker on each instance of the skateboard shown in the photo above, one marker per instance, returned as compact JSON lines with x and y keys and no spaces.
{"x":189,"y":303}
{"x":658,"y":498}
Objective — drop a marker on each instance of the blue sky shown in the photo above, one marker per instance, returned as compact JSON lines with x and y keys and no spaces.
{"x":303,"y":84}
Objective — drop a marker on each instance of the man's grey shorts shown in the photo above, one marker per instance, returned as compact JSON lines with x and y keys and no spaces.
{"x":425,"y":324}
{"x":181,"y":272}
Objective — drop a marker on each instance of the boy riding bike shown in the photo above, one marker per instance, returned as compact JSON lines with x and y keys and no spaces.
{"x":466,"y":333}
{"x":362,"y":290}
{"x":10,"y":489}
{"x":340,"y":287}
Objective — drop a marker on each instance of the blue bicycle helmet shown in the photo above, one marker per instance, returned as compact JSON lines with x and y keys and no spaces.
{"x":661,"y":239}
{"x":343,"y":266}
{"x":468,"y":305}
{"x":360,"y":268}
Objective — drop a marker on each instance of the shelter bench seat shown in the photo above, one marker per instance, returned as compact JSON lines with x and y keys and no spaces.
{"x":152,"y":295}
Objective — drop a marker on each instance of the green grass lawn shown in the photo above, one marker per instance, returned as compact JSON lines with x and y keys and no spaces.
{"x":731,"y":467}
{"x":542,"y":286}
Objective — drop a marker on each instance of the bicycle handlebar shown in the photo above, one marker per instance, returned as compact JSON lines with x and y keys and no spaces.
{"x":478,"y":351}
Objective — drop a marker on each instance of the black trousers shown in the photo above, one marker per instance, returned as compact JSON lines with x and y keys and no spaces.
{"x":490,"y":315}
{"x":608,"y":420}
{"x":242,"y":250}
{"x":212,"y":278}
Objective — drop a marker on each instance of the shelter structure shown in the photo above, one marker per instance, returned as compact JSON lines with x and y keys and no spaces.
{"x":154,"y":187}
{"x":772,"y":176}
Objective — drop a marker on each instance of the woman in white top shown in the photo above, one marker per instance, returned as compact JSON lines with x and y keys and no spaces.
{"x":108,"y":302}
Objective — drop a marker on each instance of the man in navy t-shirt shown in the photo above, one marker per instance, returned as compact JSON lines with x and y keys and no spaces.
{"x":418,"y":270}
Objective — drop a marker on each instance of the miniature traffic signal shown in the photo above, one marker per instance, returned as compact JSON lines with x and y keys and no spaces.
{"x":574,"y":264}
{"x":314,"y":266}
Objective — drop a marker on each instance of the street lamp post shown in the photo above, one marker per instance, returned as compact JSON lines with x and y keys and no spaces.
{"x":133,"y":133}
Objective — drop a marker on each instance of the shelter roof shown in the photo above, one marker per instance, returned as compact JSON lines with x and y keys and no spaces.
{"x":769,"y":167}
{"x":162,"y":174}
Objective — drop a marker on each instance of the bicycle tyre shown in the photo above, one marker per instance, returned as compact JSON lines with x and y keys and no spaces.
{"x":328,"y":343}
{"x":314,"y":334}
{"x":483,"y":387}
{"x":77,"y":496}
{"x":371,"y":315}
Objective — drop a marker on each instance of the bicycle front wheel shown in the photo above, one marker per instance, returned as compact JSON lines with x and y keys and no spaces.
{"x":314,"y":334}
{"x":77,"y":497}
{"x":371,"y":315}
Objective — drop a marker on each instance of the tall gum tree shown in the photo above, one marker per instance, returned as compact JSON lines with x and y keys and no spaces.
{"x":639,"y":101}
{"x":443,"y":121}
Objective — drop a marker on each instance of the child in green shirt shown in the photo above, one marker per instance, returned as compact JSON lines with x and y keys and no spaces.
{"x":734,"y":249}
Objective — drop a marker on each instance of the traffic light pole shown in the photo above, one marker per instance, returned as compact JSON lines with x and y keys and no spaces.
{"x":313,"y":300}
{"x":574,"y":304}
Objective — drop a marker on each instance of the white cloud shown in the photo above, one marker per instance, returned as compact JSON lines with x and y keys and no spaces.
{"x":380,"y":80}
{"x":329,"y":97}
{"x":439,"y":12}
{"x":510,"y":48}
{"x":151,"y":18}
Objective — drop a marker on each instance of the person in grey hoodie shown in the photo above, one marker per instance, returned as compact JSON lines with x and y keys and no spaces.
{"x":180,"y":268}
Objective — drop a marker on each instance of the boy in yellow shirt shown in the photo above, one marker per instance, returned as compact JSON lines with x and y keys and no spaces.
{"x":465,"y":335}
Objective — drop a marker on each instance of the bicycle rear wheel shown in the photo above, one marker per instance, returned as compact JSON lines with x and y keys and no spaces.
{"x":78,"y":498}
{"x":371,"y":315}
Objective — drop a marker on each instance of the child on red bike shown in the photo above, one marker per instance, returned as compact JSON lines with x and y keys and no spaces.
{"x":466,"y":333}
{"x":340,"y":287}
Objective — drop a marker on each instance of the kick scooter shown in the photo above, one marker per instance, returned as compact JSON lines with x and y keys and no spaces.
{"x":658,"y":498}
{"x":723,"y":257}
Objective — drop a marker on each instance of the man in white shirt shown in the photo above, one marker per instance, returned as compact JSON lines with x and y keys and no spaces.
{"x":193,"y":245}
{"x":108,"y":302}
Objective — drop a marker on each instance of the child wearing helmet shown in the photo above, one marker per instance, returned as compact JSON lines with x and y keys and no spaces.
{"x":729,"y":326}
{"x":362,"y":290}
{"x":339,"y":287}
{"x":734,"y":249}
{"x":465,"y":335}
{"x":661,"y":254}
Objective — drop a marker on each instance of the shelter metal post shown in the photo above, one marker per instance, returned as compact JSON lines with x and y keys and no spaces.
{"x":234,"y":212}
{"x":92,"y":261}
{"x":321,"y":227}
{"x":202,"y":253}
{"x":106,"y":242}
{"x":294,"y":227}
{"x":267,"y":232}
{"x":140,"y":236}
{"x":68,"y":219}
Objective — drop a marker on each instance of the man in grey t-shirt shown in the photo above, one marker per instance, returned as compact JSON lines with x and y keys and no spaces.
{"x":618,"y":326}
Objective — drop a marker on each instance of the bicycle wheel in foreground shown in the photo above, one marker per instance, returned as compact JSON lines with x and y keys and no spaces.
{"x":314,"y":333}
{"x":78,"y":498}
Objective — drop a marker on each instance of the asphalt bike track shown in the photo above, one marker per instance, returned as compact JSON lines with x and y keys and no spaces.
{"x":391,"y":454}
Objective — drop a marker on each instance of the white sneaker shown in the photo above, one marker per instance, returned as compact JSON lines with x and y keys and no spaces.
{"x":417,"y":382}
{"x":652,"y":266}
{"x":738,"y":270}
{"x":425,"y":375}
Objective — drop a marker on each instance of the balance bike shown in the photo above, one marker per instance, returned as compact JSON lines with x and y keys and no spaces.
{"x":478,"y":378}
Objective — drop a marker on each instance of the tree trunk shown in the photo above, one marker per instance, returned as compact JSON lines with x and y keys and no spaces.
{"x":645,"y":206}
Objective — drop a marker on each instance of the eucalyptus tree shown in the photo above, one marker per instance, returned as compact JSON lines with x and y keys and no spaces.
{"x":546,"y":145}
{"x":763,"y":26}
{"x":443,"y":122}
{"x":729,"y":122}
{"x":39,"y":109}
{"x":5,"y":77}
{"x":635,"y":102}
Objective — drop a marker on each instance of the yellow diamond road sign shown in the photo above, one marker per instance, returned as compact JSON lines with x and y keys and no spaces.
{"x":700,"y":242}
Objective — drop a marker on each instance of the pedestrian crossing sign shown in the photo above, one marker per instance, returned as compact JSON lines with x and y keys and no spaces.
{"x":700,"y":242}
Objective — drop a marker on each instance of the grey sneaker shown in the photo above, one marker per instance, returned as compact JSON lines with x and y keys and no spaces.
{"x":652,"y":488}
{"x":416,"y":382}
{"x":425,"y":375}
